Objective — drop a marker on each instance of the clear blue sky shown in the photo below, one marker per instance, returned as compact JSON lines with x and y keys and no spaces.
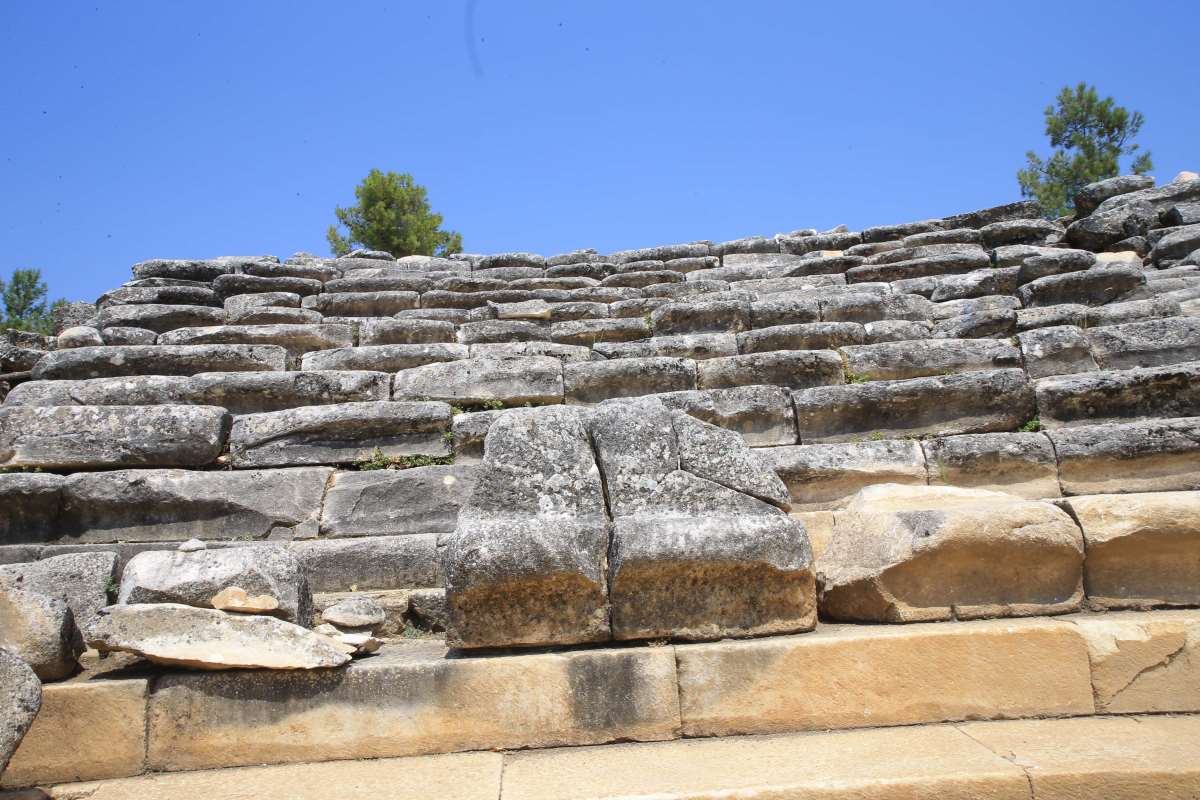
{"x":135,"y":130}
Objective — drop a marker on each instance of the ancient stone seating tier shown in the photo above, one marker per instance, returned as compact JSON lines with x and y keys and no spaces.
{"x":860,"y":456}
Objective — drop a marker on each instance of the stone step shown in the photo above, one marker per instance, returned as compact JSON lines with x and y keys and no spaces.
{"x":407,"y":700}
{"x":1118,"y":758}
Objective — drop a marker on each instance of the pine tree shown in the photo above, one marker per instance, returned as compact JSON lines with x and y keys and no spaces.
{"x":24,"y":299}
{"x":392,"y":214}
{"x":1090,"y":136}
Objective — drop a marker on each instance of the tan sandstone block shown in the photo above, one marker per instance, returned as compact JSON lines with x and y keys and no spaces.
{"x":1144,"y":661}
{"x":1101,"y":758}
{"x":895,"y":764}
{"x":461,"y":776}
{"x":85,"y":731}
{"x":1142,"y":550}
{"x":844,"y":676}
{"x":411,"y":699}
{"x":819,"y":525}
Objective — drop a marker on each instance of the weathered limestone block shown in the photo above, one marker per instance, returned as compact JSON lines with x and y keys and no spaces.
{"x":1144,"y":662}
{"x":79,"y":336}
{"x":711,"y":571}
{"x":701,"y":316}
{"x":173,"y":505}
{"x":230,"y":285}
{"x":250,"y":302}
{"x":405,"y":331}
{"x":1058,"y":350}
{"x":1049,"y":316}
{"x":696,"y":346}
{"x":271,"y":315}
{"x":968,"y":260}
{"x":383,"y":357}
{"x":1122,"y":394}
{"x":180,"y":269}
{"x":473,"y":381}
{"x":1109,"y":224}
{"x":361,"y":304}
{"x":194,"y":577}
{"x":886,"y":233}
{"x":337,"y":434}
{"x":1152,"y":343}
{"x":90,"y":437}
{"x":40,"y":630}
{"x":805,"y":336}
{"x":110,"y":361}
{"x":992,"y":554}
{"x":122,"y":336}
{"x":237,"y":392}
{"x":995,"y":323}
{"x":908,"y":253}
{"x":470,"y":429}
{"x":761,"y":414}
{"x":1143,"y":550}
{"x":159,"y":318}
{"x":784,"y":310}
{"x":917,"y":359}
{"x":868,"y":675}
{"x":636,"y":448}
{"x":525,"y":566}
{"x":980,"y":283}
{"x":1092,"y":195}
{"x":583,"y":697}
{"x":373,"y":562}
{"x":1131,"y":311}
{"x":1154,"y":455}
{"x":1059,"y":263}
{"x":665,"y":252}
{"x":396,"y":502}
{"x":354,"y":612}
{"x":866,"y":307}
{"x":971,"y":402}
{"x":594,"y":381}
{"x":1178,"y":243}
{"x":721,"y":456}
{"x":1020,"y":231}
{"x":1022,"y":464}
{"x":81,"y":580}
{"x":29,"y":505}
{"x":366,"y":281}
{"x":896,"y":330}
{"x":1093,"y":287}
{"x":20,"y":701}
{"x":587,"y":332}
{"x":494,"y":330}
{"x":794,"y":369}
{"x":295,"y":339}
{"x":639,"y":279}
{"x":566,"y":353}
{"x":824,"y":475}
{"x":180,"y":635}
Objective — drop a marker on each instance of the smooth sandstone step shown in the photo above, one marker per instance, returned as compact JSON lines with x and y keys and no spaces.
{"x":408,"y":699}
{"x":1118,"y":758}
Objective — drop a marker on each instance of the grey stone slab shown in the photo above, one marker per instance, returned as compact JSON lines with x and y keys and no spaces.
{"x":917,"y":359}
{"x":1152,"y":343}
{"x":383,"y":357}
{"x":114,"y":361}
{"x":824,"y":475}
{"x":796,"y":369}
{"x":29,"y":507}
{"x":478,"y":381}
{"x":1058,"y":350}
{"x":1119,"y":394}
{"x":1017,"y":463}
{"x":595,"y":381}
{"x":159,"y":318}
{"x":761,"y":414}
{"x":396,"y":502}
{"x":1154,"y":455}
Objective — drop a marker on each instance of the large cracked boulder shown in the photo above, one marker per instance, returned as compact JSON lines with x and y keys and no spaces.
{"x":525,"y":565}
{"x":20,"y":701}
{"x":40,"y":630}
{"x":195,"y":576}
{"x":921,"y":553}
{"x":180,"y":635}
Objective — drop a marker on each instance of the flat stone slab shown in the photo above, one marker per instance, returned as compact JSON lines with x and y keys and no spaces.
{"x":383,"y":357}
{"x":826,"y":475}
{"x":294,"y":339}
{"x":1120,"y":394}
{"x":152,"y":359}
{"x":179,"y":635}
{"x":90,"y":437}
{"x":1023,"y":464}
{"x":237,"y":392}
{"x":1144,"y":456}
{"x":918,"y":359}
{"x":396,"y":502}
{"x":474,"y":381}
{"x":338,"y":434}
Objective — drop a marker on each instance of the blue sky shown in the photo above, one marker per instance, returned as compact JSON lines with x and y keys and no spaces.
{"x":136,"y":130}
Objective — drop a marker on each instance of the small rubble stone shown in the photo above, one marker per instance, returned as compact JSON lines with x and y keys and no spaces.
{"x":41,"y":631}
{"x":354,"y":612}
{"x":236,"y":599}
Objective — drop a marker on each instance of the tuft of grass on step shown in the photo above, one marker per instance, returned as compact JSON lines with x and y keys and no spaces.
{"x":856,"y":377}
{"x":1032,"y":426}
{"x":378,"y":460}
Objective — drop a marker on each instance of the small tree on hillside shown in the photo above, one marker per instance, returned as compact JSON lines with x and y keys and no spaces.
{"x":1091,"y":136}
{"x":392,"y":214}
{"x":24,"y":297}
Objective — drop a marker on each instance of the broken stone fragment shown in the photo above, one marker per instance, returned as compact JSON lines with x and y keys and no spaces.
{"x":195,"y":578}
{"x":355,"y":612}
{"x":81,"y":580}
{"x":234,"y":598}
{"x":721,"y":456}
{"x":922,"y":553}
{"x":20,"y":701}
{"x":179,"y":635}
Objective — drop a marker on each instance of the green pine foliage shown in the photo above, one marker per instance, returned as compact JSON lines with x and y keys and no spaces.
{"x":24,"y":298}
{"x":1090,"y":137}
{"x":392,"y":214}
